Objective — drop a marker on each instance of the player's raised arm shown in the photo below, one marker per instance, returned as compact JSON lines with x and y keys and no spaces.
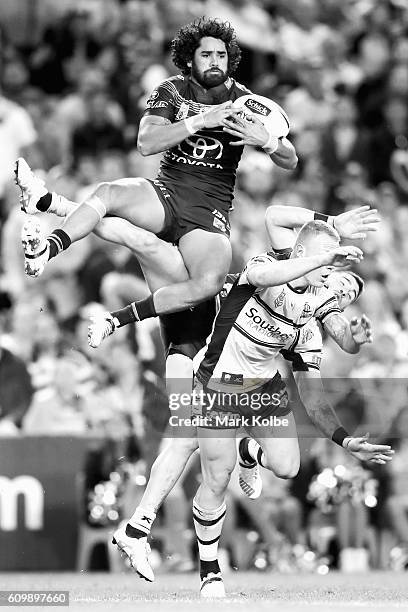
{"x":318,"y":408}
{"x":353,"y":224}
{"x":269,"y":273}
{"x":349,"y":335}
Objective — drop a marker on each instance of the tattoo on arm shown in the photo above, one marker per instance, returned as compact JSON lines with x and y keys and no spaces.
{"x":338,"y":327}
{"x":317,"y":406}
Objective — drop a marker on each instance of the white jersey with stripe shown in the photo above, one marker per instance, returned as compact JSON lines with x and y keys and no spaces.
{"x":307,"y":354}
{"x":254,"y":325}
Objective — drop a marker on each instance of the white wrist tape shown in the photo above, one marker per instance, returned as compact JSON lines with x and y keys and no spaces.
{"x":346,"y":442}
{"x":193,"y":124}
{"x":271,"y":145}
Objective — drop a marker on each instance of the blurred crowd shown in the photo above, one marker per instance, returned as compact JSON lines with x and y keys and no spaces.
{"x":74,"y":79}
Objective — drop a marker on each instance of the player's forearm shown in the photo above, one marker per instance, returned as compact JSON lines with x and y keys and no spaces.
{"x":285,"y":155}
{"x":318,"y":408}
{"x":158,"y":138}
{"x":281,"y":272}
{"x":289,"y":217}
{"x":338,"y":327}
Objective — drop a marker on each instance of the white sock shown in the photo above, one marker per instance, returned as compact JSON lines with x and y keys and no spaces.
{"x":208,"y":527}
{"x":142,"y":519}
{"x":61,"y":206}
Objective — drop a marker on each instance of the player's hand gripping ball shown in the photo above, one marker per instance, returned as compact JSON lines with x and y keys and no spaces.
{"x":272,"y":116}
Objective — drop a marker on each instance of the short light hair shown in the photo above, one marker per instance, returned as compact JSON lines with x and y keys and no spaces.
{"x":315,"y":228}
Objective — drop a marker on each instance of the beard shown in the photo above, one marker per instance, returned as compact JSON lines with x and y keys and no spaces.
{"x":208,"y":78}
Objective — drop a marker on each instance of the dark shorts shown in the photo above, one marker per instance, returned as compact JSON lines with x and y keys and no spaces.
{"x":186,"y":209}
{"x":247,"y":408}
{"x":186,"y":332}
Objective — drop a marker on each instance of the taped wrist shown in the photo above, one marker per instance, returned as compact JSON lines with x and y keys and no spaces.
{"x":326,"y":218}
{"x":271,"y":144}
{"x":194,"y":124}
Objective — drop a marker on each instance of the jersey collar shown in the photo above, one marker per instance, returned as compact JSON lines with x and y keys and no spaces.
{"x":297,"y":289}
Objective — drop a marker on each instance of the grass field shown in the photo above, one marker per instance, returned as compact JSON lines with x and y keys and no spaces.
{"x":250,"y":592}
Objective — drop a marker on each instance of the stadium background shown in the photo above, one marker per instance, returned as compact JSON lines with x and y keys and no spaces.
{"x":86,"y":425}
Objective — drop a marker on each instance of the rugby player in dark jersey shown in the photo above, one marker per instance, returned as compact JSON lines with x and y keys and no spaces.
{"x":187,"y":118}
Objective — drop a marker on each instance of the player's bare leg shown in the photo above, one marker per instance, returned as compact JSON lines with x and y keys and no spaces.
{"x":132,"y":199}
{"x":131,"y":538}
{"x":218,"y":457}
{"x":160,"y":261}
{"x":207,"y":255}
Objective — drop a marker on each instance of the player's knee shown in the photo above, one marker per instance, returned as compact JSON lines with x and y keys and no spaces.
{"x":217,"y":476}
{"x":208,"y":284}
{"x":286,"y":467}
{"x":103,"y":191}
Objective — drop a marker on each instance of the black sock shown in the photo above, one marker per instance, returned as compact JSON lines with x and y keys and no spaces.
{"x":145,"y":308}
{"x":136,"y":311}
{"x":58,"y":241}
{"x":125,"y":316}
{"x":44,"y":203}
{"x":132,"y":532}
{"x":245,"y":458}
{"x":208,"y":567}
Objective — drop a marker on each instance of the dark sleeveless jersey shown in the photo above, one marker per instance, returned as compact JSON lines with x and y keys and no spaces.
{"x":205,"y":160}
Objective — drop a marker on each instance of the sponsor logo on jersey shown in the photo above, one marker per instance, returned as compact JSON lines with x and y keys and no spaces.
{"x":315,"y":359}
{"x":201,"y":148}
{"x":162,"y":188}
{"x":280,"y":299}
{"x":153,"y":96}
{"x":307,"y":334}
{"x":183,"y":111}
{"x":160,"y":104}
{"x":257,"y":107}
{"x":219,"y":221}
{"x":266,"y":328}
{"x":306,"y":312}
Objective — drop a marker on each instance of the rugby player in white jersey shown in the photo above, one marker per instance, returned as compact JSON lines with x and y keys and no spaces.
{"x":238,"y":383}
{"x":282,"y":223}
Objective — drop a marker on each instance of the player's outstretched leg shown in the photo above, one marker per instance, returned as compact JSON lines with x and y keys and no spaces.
{"x":249,"y":474}
{"x":166,"y":470}
{"x":133,"y":199}
{"x":131,"y":538}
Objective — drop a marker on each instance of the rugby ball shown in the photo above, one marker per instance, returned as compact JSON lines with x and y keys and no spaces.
{"x":271,"y":114}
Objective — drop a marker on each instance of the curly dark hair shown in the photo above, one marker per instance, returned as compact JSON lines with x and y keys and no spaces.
{"x":187,"y":40}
